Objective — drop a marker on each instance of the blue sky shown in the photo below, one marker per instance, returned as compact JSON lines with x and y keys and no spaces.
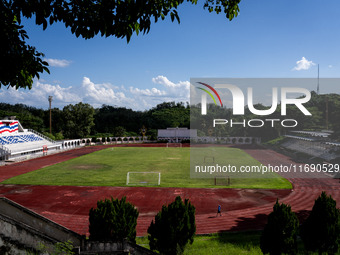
{"x":275,"y":39}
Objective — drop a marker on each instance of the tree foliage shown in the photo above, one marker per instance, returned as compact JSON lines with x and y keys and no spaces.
{"x":280,"y":233}
{"x":113,"y":220}
{"x":321,"y":231}
{"x":173,"y":228}
{"x":119,"y":131}
{"x":78,"y":120}
{"x":20,"y":63}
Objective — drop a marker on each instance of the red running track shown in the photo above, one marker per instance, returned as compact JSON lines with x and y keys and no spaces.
{"x":242,"y":209}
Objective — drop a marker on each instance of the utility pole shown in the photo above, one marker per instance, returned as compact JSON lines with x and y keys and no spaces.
{"x":318,"y":88}
{"x":50,"y":101}
{"x":327,"y":112}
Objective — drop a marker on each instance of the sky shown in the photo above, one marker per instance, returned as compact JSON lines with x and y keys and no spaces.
{"x":268,"y":39}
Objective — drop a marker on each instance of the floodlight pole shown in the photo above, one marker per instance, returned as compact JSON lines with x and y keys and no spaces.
{"x":50,"y":101}
{"x":318,"y":87}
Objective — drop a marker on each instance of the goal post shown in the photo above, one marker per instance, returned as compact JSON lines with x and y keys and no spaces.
{"x":143,"y":178}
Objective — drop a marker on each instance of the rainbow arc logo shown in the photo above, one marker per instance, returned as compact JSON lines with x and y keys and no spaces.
{"x":209,"y":93}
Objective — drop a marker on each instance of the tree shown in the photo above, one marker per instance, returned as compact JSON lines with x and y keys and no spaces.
{"x":119,"y":131}
{"x":108,"y":117}
{"x":170,"y":115}
{"x":321,"y":231}
{"x":78,"y":120}
{"x":20,"y":62}
{"x":280,"y":233}
{"x":173,"y":228}
{"x":113,"y":220}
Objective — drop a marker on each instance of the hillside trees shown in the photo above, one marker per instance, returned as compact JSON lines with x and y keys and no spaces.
{"x":170,"y":114}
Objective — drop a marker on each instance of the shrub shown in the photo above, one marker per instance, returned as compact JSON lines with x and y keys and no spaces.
{"x":113,"y":220}
{"x":49,"y":135}
{"x":173,"y":228}
{"x":321,"y":231}
{"x":280,"y":233}
{"x":59,"y":136}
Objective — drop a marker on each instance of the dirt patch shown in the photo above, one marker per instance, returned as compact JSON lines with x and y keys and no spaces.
{"x":88,"y":167}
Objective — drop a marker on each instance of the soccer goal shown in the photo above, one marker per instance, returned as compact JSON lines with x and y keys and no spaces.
{"x":174,"y":145}
{"x":222,"y":181}
{"x":209,"y":159}
{"x":143,"y":178}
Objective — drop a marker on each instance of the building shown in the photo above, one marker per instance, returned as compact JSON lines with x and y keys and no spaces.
{"x":176,"y":135}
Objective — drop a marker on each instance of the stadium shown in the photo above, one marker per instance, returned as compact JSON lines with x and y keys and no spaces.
{"x":17,"y":142}
{"x":39,"y":198}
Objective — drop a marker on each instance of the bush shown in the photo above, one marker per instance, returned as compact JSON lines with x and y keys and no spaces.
{"x":173,"y":228}
{"x":119,"y":131}
{"x":113,"y":220}
{"x":321,"y":231}
{"x":59,"y":136}
{"x":49,"y":135}
{"x":280,"y":233}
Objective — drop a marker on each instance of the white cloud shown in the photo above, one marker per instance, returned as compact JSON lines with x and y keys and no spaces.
{"x":147,"y":92}
{"x":179,"y":91}
{"x":57,"y":62}
{"x":330,"y":66}
{"x":160,"y":79}
{"x":303,"y":64}
{"x":98,"y":94}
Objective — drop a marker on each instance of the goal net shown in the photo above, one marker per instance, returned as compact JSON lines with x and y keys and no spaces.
{"x":143,"y":178}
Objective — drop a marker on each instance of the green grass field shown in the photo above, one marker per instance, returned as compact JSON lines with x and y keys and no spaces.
{"x":109,"y":167}
{"x":229,"y":243}
{"x":224,"y":243}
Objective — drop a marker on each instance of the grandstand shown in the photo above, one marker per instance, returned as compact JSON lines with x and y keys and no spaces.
{"x":315,"y":144}
{"x":15,"y":141}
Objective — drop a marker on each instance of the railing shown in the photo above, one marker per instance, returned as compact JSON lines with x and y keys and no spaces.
{"x":41,"y":135}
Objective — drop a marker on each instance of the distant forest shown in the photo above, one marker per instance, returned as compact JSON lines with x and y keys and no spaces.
{"x":82,"y":120}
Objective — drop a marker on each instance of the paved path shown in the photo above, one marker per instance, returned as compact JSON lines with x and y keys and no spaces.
{"x":246,"y":208}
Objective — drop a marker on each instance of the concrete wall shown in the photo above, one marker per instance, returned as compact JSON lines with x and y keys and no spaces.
{"x":17,"y":238}
{"x":24,"y":225}
{"x":125,"y":247}
{"x":23,"y":230}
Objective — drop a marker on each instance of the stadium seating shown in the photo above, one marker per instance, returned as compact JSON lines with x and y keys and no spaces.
{"x":13,"y":139}
{"x":311,"y":146}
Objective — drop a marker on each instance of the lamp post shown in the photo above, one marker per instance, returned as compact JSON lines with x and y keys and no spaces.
{"x":50,"y":101}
